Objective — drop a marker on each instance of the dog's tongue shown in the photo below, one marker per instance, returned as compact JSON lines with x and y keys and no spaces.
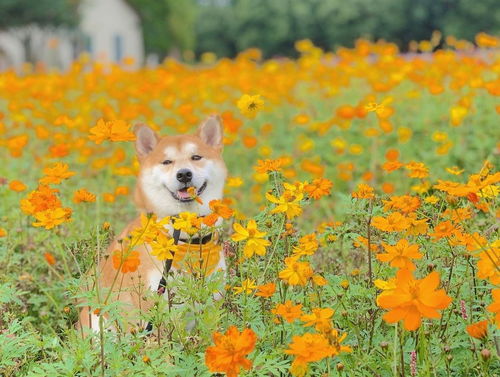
{"x":183,"y":194}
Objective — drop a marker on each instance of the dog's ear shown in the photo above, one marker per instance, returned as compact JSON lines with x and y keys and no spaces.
{"x":211,"y":130}
{"x":146,"y":140}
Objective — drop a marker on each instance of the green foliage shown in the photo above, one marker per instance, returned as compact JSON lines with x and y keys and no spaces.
{"x":166,"y":24}
{"x":227,"y":27}
{"x":40,"y":12}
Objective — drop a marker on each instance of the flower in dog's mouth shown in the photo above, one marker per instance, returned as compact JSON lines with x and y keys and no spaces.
{"x":189,"y":193}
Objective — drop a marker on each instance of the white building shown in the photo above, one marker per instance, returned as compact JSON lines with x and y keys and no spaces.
{"x":110,"y":30}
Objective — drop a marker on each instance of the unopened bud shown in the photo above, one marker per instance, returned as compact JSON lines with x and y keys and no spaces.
{"x":340,"y":366}
{"x":485,"y":354}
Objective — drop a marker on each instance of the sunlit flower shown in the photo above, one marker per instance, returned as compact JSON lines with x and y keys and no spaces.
{"x":228,"y":355}
{"x":363,"y":191}
{"x":400,"y":255}
{"x":265,"y":166}
{"x":163,"y":247}
{"x":478,"y":330}
{"x":417,"y":170}
{"x":56,"y":174}
{"x":250,"y":105}
{"x":288,"y":203}
{"x":320,"y":318}
{"x":51,"y":218}
{"x":126,"y":261}
{"x":395,"y":222}
{"x":413,"y":299}
{"x":247,"y":287}
{"x":296,"y":273}
{"x":187,"y":222}
{"x":115,"y":130}
{"x":266,"y":290}
{"x":83,"y":196}
{"x":288,"y":311}
{"x":318,"y":188}
{"x":255,"y":242}
{"x":17,"y":186}
{"x":306,"y":349}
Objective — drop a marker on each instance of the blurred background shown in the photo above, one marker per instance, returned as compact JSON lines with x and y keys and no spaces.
{"x":136,"y":32}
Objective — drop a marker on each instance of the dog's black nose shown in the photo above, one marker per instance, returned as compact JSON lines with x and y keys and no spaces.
{"x":184,"y":175}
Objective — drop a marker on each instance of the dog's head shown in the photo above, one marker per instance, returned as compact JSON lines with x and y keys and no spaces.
{"x":171,"y":165}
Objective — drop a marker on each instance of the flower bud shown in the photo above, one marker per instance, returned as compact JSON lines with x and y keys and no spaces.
{"x":485,"y":354}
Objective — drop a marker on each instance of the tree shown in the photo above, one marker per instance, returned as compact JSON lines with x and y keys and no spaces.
{"x":167,"y":25}
{"x":16,"y":13}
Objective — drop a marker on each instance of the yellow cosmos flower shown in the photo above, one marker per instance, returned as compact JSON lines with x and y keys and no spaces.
{"x":296,"y":273}
{"x":187,"y":222}
{"x":287,"y":203}
{"x":163,"y":247}
{"x":51,"y":218}
{"x":256,"y":244}
{"x":247,"y":287}
{"x":250,"y":105}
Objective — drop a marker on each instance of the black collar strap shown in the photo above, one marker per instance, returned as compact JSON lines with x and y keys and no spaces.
{"x":198,"y":240}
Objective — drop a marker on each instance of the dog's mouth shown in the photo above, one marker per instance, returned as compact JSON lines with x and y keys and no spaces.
{"x":183,"y":195}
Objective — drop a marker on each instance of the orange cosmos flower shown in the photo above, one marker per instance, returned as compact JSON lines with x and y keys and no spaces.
{"x":417,"y":226}
{"x":478,"y":330}
{"x":391,"y":166}
{"x":49,"y":258}
{"x":126,"y":263}
{"x":56,"y":174}
{"x":83,"y":196}
{"x":364,"y":191}
{"x":395,"y":222}
{"x":320,"y":318}
{"x":308,"y":245}
{"x":306,"y":349}
{"x":404,"y":203}
{"x":221,"y":208}
{"x":443,"y":229}
{"x":288,"y":311}
{"x":488,"y":263}
{"x":413,"y":299}
{"x":115,"y":130}
{"x":266,"y":290}
{"x":318,"y":188}
{"x":494,"y":307}
{"x":296,"y":273}
{"x":39,"y":200}
{"x":265,"y":166}
{"x":417,"y":170}
{"x":230,"y":351}
{"x":400,"y":255}
{"x":486,"y":40}
{"x":17,"y":186}
{"x":51,"y":218}
{"x":3,"y":232}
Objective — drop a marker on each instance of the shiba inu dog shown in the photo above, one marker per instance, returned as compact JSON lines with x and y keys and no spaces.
{"x":169,"y":166}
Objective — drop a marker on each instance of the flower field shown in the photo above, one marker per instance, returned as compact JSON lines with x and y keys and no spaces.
{"x":361,"y":214}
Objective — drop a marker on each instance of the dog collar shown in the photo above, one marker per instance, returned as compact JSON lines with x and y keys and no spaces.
{"x":198,"y":240}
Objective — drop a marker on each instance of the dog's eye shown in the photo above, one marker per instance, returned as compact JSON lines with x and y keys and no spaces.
{"x":167,"y":162}
{"x":196,"y":157}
